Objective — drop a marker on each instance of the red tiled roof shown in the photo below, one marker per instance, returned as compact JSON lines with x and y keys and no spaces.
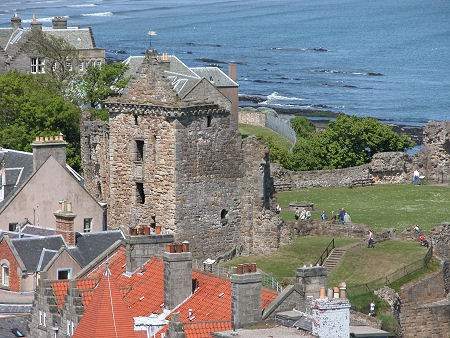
{"x":106,"y":315}
{"x":201,"y":330}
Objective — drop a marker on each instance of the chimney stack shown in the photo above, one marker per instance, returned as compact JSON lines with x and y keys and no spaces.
{"x":36,"y":25}
{"x":59,"y":22}
{"x":43,"y":148}
{"x":246,"y":304}
{"x":311,"y":279}
{"x":177,"y":276}
{"x":232,"y":71}
{"x":65,"y":222}
{"x":16,"y":22}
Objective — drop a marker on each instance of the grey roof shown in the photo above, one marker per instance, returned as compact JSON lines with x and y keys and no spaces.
{"x":15,"y":308}
{"x":30,"y":249}
{"x":12,"y":39}
{"x":183,"y":78}
{"x":7,"y":324}
{"x":14,"y":234}
{"x":215,"y":75}
{"x":46,"y":256}
{"x":304,"y":323}
{"x":90,"y":245}
{"x":19,"y":322}
{"x":37,"y":231}
{"x":19,"y":166}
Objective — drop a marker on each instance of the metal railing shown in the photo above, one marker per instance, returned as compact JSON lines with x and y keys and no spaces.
{"x":355,"y":290}
{"x":282,"y":127}
{"x":325,"y":253}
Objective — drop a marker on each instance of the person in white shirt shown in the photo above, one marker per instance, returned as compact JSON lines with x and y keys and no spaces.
{"x":416,"y":177}
{"x":372,"y":309}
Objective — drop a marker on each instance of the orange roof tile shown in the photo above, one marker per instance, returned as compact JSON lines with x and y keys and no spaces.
{"x":107,"y":315}
{"x":201,"y":330}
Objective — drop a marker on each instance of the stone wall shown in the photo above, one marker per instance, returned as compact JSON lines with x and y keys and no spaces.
{"x":253,"y":118}
{"x":424,"y":310}
{"x":328,"y":228}
{"x":94,"y":136}
{"x":433,"y":162}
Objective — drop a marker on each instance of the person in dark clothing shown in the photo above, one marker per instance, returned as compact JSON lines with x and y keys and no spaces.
{"x":341,"y":215}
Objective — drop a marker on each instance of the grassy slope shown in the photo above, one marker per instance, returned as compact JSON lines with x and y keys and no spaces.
{"x":247,"y":130}
{"x":381,"y":206}
{"x":285,"y":261}
{"x":361,"y":265}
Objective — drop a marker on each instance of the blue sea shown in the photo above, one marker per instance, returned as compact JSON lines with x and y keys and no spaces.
{"x":382,"y":58}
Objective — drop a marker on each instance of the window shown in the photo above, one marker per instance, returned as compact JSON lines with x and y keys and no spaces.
{"x":5,"y":274}
{"x":139,"y":150}
{"x":136,"y":120}
{"x":68,"y":328}
{"x":81,"y":65}
{"x":69,"y":66}
{"x":54,"y":67}
{"x":208,"y":121}
{"x":99,"y":64}
{"x":41,"y":317}
{"x":37,"y":65}
{"x":44,"y":322}
{"x":64,"y":273}
{"x":140,"y":193}
{"x":13,"y":226}
{"x":87,"y":224}
{"x":224,"y":216}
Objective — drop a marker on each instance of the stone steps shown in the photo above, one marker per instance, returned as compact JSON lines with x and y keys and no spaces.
{"x":336,"y":255}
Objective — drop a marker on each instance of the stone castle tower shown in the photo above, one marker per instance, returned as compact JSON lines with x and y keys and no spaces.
{"x":182,"y":164}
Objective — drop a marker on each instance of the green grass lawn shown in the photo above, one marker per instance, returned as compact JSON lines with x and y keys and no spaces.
{"x":361,"y":265}
{"x":398,"y":206}
{"x":285,"y":261}
{"x":247,"y":130}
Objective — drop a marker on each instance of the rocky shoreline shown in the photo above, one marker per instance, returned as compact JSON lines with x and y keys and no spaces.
{"x":415,"y":133}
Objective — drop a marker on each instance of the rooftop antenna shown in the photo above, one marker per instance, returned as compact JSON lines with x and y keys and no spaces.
{"x":150,"y":34}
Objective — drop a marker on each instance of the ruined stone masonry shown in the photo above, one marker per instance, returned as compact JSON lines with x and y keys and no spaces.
{"x":180,"y":164}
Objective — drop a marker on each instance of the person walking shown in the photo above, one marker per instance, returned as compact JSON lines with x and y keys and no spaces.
{"x":341,"y":215}
{"x":416,"y":176}
{"x":371,"y":241}
{"x":372,"y":308}
{"x":297,"y":214}
{"x":324,"y":215}
{"x":347,"y":218}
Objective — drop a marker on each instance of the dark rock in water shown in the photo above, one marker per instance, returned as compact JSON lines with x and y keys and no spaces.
{"x":210,"y":60}
{"x":254,"y":99}
{"x":119,"y":51}
{"x":284,"y":78}
{"x":374,"y":74}
{"x":189,"y":52}
{"x":349,"y":86}
{"x":320,"y":49}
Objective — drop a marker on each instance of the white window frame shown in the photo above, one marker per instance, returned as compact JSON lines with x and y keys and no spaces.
{"x":5,"y":276}
{"x":69,"y":275}
{"x":54,"y":67}
{"x":99,"y":64}
{"x":81,"y":66}
{"x":68,"y":328}
{"x":69,"y":65}
{"x":90,"y":224}
{"x":37,"y":65}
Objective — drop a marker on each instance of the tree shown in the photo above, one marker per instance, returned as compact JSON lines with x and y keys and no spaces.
{"x":302,"y":126}
{"x":61,"y":57}
{"x":348,"y":141}
{"x":99,"y":83}
{"x":30,"y":108}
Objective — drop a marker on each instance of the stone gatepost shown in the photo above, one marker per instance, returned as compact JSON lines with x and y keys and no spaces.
{"x":177,"y":277}
{"x":246,"y":304}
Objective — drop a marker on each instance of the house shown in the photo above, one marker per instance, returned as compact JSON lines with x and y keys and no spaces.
{"x":41,"y":180}
{"x":16,"y":54}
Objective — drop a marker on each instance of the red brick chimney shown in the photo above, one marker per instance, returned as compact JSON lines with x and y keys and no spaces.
{"x":65,"y":222}
{"x":36,"y":24}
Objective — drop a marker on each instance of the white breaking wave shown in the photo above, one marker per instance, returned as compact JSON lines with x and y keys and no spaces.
{"x":98,"y":14}
{"x":277,"y":97}
{"x":83,"y":5}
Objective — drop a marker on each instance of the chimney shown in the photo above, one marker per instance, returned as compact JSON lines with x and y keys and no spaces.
{"x":36,"y":25}
{"x":311,"y":279}
{"x":16,"y":22}
{"x":65,"y":222}
{"x":59,"y":22}
{"x":232,"y":71}
{"x":330,"y":317}
{"x":246,"y":304}
{"x":177,"y":277}
{"x":44,"y":147}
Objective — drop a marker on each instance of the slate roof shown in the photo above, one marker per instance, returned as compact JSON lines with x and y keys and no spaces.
{"x":91,"y":244}
{"x":14,"y":322}
{"x":29,"y":249}
{"x":11,"y":39}
{"x":19,"y":166}
{"x":143,"y":294}
{"x":37,"y":231}
{"x":183,"y":78}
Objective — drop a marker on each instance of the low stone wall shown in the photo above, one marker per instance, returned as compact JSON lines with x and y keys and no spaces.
{"x":424,"y":310}
{"x":328,"y":228}
{"x":253,"y":118}
{"x":358,"y":318}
